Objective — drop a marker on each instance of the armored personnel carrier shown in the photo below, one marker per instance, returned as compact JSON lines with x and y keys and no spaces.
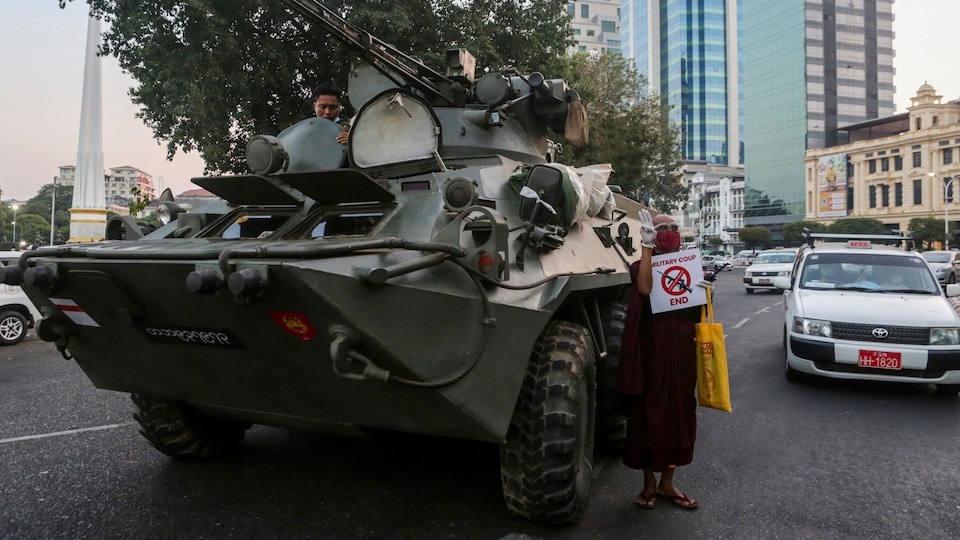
{"x":439,"y":274}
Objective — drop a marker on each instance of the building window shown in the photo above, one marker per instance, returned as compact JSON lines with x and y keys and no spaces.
{"x":584,"y":11}
{"x":935,"y":120}
{"x":608,"y":26}
{"x":884,"y":195}
{"x":582,"y":48}
{"x":885,"y":164}
{"x":571,"y":9}
{"x":898,"y":194}
{"x":947,"y":156}
{"x":591,"y":33}
{"x":948,"y":189}
{"x":872,"y":166}
{"x":917,"y":194}
{"x":916,"y":159}
{"x":919,"y":124}
{"x":576,"y":31}
{"x":898,"y":163}
{"x":850,"y":199}
{"x":873,"y":196}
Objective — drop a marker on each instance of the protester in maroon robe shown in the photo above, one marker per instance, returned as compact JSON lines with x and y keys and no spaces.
{"x":658,"y":376}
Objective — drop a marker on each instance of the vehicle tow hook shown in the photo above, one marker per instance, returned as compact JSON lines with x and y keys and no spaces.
{"x":345,"y":359}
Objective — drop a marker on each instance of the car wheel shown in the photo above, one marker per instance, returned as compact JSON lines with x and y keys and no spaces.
{"x":13,"y":327}
{"x":952,"y":279}
{"x":749,"y":291}
{"x":948,"y":388}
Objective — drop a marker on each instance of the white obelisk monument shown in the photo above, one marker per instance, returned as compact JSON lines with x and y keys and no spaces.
{"x":88,"y":217}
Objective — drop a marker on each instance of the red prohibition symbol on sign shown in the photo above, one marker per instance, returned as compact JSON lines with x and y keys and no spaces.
{"x":675,"y":281}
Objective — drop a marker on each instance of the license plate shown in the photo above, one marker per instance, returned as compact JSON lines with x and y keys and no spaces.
{"x":879,"y":359}
{"x":763,"y":281}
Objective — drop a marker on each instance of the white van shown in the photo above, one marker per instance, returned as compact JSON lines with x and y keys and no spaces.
{"x":17,"y":312}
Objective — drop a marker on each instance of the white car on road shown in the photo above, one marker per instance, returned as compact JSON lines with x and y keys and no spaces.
{"x":860,"y":310}
{"x":17,"y":312}
{"x":769,"y":264}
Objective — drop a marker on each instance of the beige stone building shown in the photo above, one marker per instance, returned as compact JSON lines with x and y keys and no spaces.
{"x":892,"y":169}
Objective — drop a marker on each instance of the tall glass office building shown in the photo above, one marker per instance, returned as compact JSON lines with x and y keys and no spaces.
{"x":689,"y":52}
{"x":811,"y":67}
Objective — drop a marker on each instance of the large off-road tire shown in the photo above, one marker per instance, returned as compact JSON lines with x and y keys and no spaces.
{"x":180,"y":431}
{"x":13,"y":327}
{"x":546,"y":461}
{"x":611,"y":420}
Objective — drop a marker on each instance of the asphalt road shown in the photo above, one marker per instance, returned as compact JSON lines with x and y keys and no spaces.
{"x":819,"y":459}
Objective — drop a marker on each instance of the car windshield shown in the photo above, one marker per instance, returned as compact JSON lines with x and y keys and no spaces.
{"x":867,"y":272}
{"x":936,"y":256}
{"x":776,"y":257}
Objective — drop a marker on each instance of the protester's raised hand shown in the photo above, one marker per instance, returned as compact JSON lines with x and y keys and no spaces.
{"x":648,"y":234}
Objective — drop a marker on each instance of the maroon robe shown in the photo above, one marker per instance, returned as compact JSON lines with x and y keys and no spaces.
{"x":658,"y":375}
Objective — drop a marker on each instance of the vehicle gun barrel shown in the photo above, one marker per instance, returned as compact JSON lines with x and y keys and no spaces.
{"x":381,"y":55}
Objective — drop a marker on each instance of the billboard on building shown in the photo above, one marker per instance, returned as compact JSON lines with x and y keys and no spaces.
{"x":832,"y":184}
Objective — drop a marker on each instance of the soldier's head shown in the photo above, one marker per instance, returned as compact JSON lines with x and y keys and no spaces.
{"x":326,"y":100}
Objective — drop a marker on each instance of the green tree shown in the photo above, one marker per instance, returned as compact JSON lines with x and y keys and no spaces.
{"x":30,"y":227}
{"x":853,"y":225}
{"x":139,"y":201}
{"x":39,"y":204}
{"x":754,"y":236}
{"x":793,"y":231}
{"x":628,"y":129}
{"x":212,"y":73}
{"x":714,"y":241}
{"x":926,"y":230}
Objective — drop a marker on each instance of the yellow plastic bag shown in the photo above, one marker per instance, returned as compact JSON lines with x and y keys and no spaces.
{"x":713,"y":384}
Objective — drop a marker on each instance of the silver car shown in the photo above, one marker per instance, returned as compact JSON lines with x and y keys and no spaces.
{"x":945,"y":264}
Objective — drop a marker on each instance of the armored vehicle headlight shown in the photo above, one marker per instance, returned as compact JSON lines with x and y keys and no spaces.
{"x":265,"y":154}
{"x":168,"y":212}
{"x":459,"y":193}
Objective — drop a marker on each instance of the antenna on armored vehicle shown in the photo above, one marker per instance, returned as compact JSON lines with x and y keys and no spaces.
{"x":387,"y":59}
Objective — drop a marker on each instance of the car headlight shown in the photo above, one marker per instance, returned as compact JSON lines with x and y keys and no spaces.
{"x":748,"y":274}
{"x":787,"y":273}
{"x":944,"y":336}
{"x":812,"y":327}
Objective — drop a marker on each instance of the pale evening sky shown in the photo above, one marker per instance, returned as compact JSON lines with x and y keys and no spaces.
{"x":42,"y":62}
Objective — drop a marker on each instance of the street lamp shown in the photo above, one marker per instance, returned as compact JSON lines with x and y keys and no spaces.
{"x":15,"y":224}
{"x":947,"y":185}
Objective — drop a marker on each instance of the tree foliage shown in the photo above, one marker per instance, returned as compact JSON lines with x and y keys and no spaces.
{"x":628,"y":129}
{"x":212,"y":73}
{"x":856,"y":225}
{"x":793,"y":231}
{"x":754,"y":236}
{"x":926,"y":230}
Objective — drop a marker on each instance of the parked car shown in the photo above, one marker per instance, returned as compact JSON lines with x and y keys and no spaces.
{"x":769,"y":264}
{"x":17,"y":312}
{"x":716,"y":263}
{"x":860,"y":310}
{"x":945,"y":265}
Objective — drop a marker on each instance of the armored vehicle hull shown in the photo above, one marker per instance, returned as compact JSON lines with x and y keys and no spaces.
{"x":436,"y":275}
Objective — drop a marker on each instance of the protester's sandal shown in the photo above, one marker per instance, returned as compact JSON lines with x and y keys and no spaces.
{"x":646,"y":501}
{"x":682,"y":501}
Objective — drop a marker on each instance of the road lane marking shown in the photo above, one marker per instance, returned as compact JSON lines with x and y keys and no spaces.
{"x":764,"y":310}
{"x":62,"y":433}
{"x":741,"y":323}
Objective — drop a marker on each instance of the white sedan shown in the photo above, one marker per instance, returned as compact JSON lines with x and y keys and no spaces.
{"x":869,"y":312}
